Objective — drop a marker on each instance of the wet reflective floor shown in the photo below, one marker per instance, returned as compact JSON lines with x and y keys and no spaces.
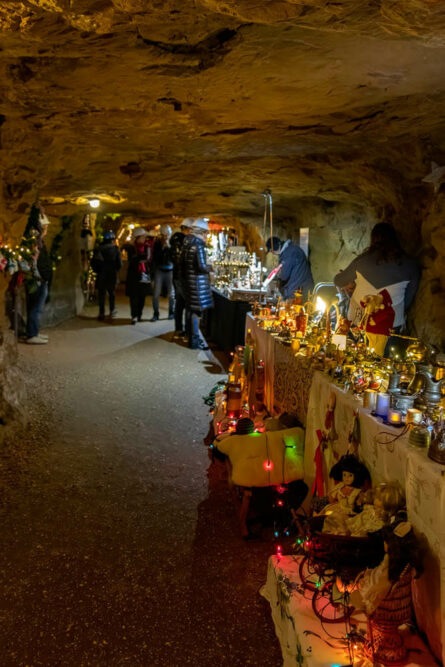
{"x":120,"y":543}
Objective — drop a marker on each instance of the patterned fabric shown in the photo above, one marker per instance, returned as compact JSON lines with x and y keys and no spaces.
{"x":292,"y":382}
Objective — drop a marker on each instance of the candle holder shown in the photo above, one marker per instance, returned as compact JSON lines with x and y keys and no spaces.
{"x":382,"y":408}
{"x":414,"y":416}
{"x":394,"y":418}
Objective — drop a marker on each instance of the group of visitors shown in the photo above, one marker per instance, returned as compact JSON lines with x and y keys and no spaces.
{"x":176,"y":266}
{"x":171,"y":265}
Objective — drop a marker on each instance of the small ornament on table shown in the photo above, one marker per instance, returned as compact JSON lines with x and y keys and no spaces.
{"x":414,"y":416}
{"x":370,"y":399}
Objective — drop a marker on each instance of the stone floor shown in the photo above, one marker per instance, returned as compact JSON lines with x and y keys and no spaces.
{"x":119,"y":540}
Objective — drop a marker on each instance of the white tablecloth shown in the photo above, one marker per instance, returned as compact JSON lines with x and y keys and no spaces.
{"x":302,"y":638}
{"x":422,"y":479}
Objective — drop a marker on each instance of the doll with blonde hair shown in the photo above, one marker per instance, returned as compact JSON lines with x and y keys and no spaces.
{"x":381,"y":503}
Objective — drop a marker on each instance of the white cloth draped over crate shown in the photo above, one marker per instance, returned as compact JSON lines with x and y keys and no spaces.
{"x":422,"y":479}
{"x":303,"y":640}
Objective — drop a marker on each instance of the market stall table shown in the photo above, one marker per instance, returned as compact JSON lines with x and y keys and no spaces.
{"x":384,"y":449}
{"x":225,"y":322}
{"x":388,"y":455}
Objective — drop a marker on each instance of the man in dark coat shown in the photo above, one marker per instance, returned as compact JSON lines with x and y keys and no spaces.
{"x":176,"y":245}
{"x":196,"y":282}
{"x":106,"y":263}
{"x":295,"y":271}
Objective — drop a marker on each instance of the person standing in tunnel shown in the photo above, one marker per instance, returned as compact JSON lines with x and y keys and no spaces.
{"x":177,"y":243}
{"x":163,"y":272}
{"x":138,"y":275}
{"x":383,"y":266}
{"x":196,"y":282}
{"x":36,"y":297}
{"x":295,"y":273}
{"x":106,"y":263}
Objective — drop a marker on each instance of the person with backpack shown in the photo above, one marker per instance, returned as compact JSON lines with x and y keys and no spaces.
{"x":106,"y":263}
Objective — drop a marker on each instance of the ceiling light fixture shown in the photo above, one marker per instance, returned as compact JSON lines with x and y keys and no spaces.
{"x":94,"y":203}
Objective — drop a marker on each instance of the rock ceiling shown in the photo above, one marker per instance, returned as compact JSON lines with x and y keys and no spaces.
{"x":197,"y":106}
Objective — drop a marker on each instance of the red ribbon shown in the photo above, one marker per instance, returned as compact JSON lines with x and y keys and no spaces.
{"x":318,"y":485}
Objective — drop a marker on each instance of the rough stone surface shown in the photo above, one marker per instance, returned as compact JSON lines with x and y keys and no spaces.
{"x":122,"y":542}
{"x":177,"y":108}
{"x":66,"y":297}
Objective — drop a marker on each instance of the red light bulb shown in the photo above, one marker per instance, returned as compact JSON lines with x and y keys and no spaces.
{"x":268,"y":465}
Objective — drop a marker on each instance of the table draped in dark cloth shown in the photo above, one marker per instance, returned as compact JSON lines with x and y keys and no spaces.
{"x":225,"y":323}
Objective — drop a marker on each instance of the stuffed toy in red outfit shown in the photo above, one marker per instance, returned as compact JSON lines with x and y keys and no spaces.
{"x":378,"y":319}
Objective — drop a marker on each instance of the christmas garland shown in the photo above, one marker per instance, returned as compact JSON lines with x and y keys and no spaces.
{"x":18,"y":258}
{"x":21,"y":258}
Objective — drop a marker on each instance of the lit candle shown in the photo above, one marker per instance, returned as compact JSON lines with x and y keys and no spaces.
{"x":382,"y":404}
{"x":413,"y":416}
{"x":370,"y":399}
{"x":394,"y":417}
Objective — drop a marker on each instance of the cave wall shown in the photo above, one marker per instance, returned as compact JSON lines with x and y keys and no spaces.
{"x":338,"y":232}
{"x":427,"y":317}
{"x":12,"y":382}
{"x":66,"y":298}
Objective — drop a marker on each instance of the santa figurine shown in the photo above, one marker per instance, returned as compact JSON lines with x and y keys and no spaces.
{"x":377,"y":320}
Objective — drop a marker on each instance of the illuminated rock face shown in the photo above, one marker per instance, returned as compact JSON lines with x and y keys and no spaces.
{"x":197,"y":107}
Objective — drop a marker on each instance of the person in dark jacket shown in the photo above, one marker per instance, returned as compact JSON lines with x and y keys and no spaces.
{"x":138,"y":275}
{"x":196,"y":282}
{"x":163,"y":273}
{"x":295,"y":271}
{"x":106,"y":263}
{"x":176,"y":244}
{"x":36,"y":298}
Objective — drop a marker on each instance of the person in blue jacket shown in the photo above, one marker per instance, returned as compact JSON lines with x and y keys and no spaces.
{"x":295,"y":273}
